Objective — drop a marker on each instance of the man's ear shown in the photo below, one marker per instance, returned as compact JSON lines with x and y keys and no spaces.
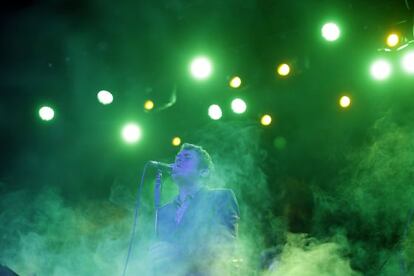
{"x":204,"y":172}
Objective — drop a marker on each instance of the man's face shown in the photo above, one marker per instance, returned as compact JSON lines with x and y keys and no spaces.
{"x":186,"y":165}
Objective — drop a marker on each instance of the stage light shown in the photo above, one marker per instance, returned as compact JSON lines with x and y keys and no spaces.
{"x":330,"y":31}
{"x":266,"y":120}
{"x":408,"y":62}
{"x":345,"y":101}
{"x":214,"y":111}
{"x":201,"y":68}
{"x":131,"y":133}
{"x":238,"y":106}
{"x":46,"y":113}
{"x":235,"y":82}
{"x":105,"y":97}
{"x":381,"y":69}
{"x":283,"y":69}
{"x":176,"y":141}
{"x":393,"y":40}
{"x":148,"y":105}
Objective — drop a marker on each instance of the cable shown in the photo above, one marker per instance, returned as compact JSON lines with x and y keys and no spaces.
{"x":137,"y":205}
{"x":407,"y":5}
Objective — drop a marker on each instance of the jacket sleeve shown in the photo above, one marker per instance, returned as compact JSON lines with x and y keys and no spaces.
{"x":228,"y":212}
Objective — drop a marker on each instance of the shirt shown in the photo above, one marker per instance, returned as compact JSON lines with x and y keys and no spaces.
{"x":181,"y":206}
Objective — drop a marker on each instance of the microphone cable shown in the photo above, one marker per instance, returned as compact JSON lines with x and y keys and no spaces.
{"x":137,"y":205}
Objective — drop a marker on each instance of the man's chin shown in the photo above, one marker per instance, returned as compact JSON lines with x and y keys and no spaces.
{"x":181,"y":180}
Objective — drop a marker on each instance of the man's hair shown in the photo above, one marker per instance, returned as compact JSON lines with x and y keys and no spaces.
{"x":205,"y":161}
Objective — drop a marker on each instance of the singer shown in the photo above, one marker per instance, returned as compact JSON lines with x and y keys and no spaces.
{"x":197,"y":230}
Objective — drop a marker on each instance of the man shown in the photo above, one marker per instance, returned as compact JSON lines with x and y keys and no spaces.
{"x":197,"y":230}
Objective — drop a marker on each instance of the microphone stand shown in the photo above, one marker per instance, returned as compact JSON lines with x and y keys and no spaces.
{"x":157,"y":196}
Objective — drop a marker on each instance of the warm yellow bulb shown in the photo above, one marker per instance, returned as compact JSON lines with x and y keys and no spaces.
{"x":266,"y":120}
{"x":283,"y":69}
{"x":393,"y":40}
{"x":235,"y":82}
{"x":344,"y":101}
{"x":176,"y":141}
{"x":149,"y":105}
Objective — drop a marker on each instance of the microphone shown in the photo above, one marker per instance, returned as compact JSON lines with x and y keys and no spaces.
{"x":162,"y":166}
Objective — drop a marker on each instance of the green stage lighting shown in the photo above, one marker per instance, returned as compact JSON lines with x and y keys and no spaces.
{"x":381,"y":69}
{"x":330,"y":31}
{"x":105,"y":97}
{"x":131,"y":133}
{"x":345,"y":101}
{"x":46,"y":113}
{"x":408,"y":62}
{"x":283,"y":69}
{"x":201,"y":68}
{"x":214,"y":111}
{"x":238,"y":106}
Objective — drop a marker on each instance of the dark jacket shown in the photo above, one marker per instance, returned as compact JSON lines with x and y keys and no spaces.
{"x":5,"y":271}
{"x":205,"y":236}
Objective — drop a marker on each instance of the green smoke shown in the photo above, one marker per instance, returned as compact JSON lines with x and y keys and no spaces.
{"x":43,"y":235}
{"x":372,"y":200}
